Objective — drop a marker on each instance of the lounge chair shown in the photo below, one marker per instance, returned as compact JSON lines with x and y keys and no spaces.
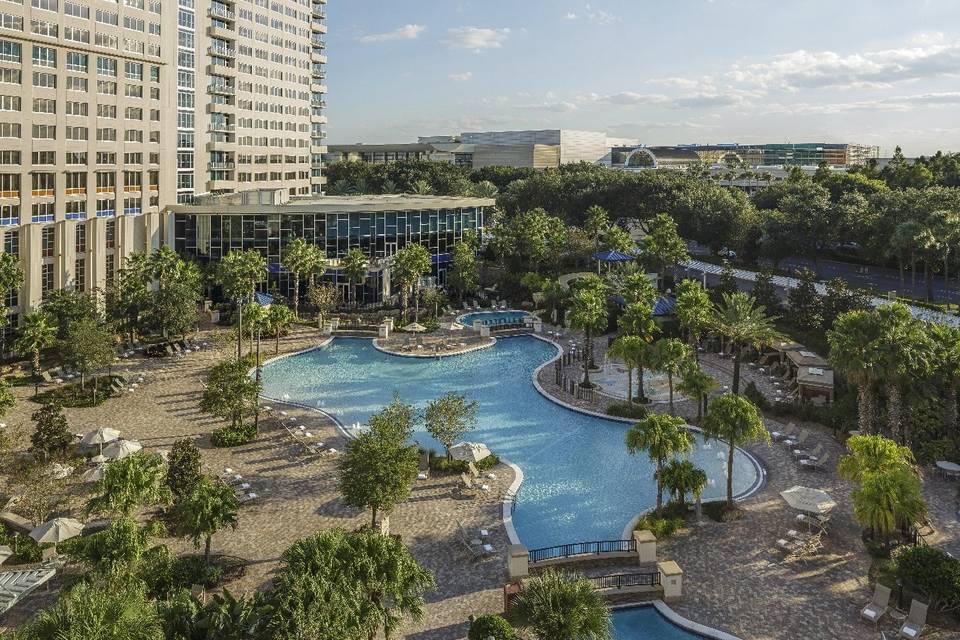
{"x":46,"y":376}
{"x":798,"y":441}
{"x":816,"y":465}
{"x":473,"y":470}
{"x":247,"y":497}
{"x":789,"y":431}
{"x":466,"y":488}
{"x":916,"y":621}
{"x":877,"y":607}
{"x":804,"y":454}
{"x":812,"y":521}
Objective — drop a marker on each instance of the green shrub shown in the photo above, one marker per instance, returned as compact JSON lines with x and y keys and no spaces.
{"x":432,"y":324}
{"x":27,"y":552}
{"x":934,"y":450}
{"x":932,"y":572}
{"x":626,"y":410}
{"x":753,"y":395}
{"x":665,"y":522}
{"x":72,"y":396}
{"x":490,"y":626}
{"x":231,"y":436}
{"x":440,"y":464}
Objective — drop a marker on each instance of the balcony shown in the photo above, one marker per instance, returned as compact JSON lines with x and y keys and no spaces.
{"x":220,"y":145}
{"x":222,"y":52}
{"x":221,"y":70}
{"x":316,"y":87}
{"x":219,"y":185}
{"x":221,"y":89}
{"x":220,"y":32}
{"x":221,"y":166}
{"x":223,"y":14}
{"x":133,"y":188}
{"x":318,"y":119}
{"x":317,"y":26}
{"x":226,"y":109}
{"x":222,"y":127}
{"x":319,"y":104}
{"x":10,"y":194}
{"x":42,"y":192}
{"x":76,"y":191}
{"x":318,"y":57}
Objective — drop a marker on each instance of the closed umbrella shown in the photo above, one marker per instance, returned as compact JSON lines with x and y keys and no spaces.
{"x":121,"y":449}
{"x":57,"y":530}
{"x":469,"y":451}
{"x":808,"y":500}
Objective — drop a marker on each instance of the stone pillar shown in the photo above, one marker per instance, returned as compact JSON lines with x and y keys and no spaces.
{"x":671,"y":578}
{"x":537,"y":326}
{"x":484,"y":331}
{"x":389,"y":322}
{"x":97,"y":252}
{"x":384,"y":331}
{"x":152,"y":235}
{"x":124,"y":239}
{"x":31,"y":260}
{"x":334,"y":324}
{"x":518,"y":562}
{"x":65,"y":255}
{"x":478,"y":326}
{"x":646,"y":546}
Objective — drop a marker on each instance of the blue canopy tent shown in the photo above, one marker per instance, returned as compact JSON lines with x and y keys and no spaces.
{"x":663,"y":306}
{"x":612,"y":257}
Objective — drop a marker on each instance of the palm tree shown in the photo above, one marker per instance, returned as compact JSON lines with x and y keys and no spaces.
{"x":409,"y":265}
{"x":888,"y":501}
{"x":355,"y":265}
{"x":130,"y":483}
{"x":946,"y":361}
{"x":636,"y":287}
{"x":562,"y":606}
{"x":904,"y":244}
{"x":694,"y":311}
{"x":872,"y":454}
{"x":661,"y":436}
{"x":595,"y":224}
{"x":681,"y":477}
{"x":744,"y":323}
{"x":902,"y":352}
{"x":210,"y":507}
{"x":588,"y":313}
{"x":297,"y":259}
{"x":232,"y":618}
{"x":279,"y":318}
{"x":629,"y":349}
{"x":671,"y":355}
{"x":734,"y":419}
{"x":37,"y":332}
{"x":696,"y":383}
{"x":256,"y":317}
{"x":637,"y":320}
{"x":851,"y":343}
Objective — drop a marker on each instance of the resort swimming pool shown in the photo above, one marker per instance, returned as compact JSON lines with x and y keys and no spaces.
{"x":580,"y":483}
{"x":490,"y":318}
{"x":646,"y":623}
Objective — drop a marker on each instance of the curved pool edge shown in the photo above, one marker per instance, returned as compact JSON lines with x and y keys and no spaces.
{"x":758,"y":484}
{"x":491,"y":312}
{"x":493,"y":341}
{"x":678,"y":620}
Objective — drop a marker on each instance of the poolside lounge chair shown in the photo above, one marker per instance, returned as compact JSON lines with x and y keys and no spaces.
{"x":46,"y":376}
{"x":790,"y":546}
{"x":789,"y":431}
{"x":814,"y":522}
{"x":877,"y":607}
{"x":798,"y":441}
{"x":916,"y":621}
{"x":466,"y":488}
{"x":812,"y":454}
{"x":247,"y":497}
{"x":473,"y":470}
{"x":818,"y":464}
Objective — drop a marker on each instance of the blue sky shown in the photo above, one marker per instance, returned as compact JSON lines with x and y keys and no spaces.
{"x":664,"y":71}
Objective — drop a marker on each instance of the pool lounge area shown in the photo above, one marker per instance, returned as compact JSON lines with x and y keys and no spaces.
{"x":579,"y":481}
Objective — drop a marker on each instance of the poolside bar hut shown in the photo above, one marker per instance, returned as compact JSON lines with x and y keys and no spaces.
{"x":812,"y":373}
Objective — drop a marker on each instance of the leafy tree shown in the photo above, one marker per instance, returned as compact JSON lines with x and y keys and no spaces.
{"x":764,"y":291}
{"x":697,"y":384}
{"x":596,"y":224}
{"x":637,"y":320}
{"x":636,"y":287}
{"x":561,"y":606}
{"x":742,"y":323}
{"x":464,"y":274}
{"x":671,"y":355}
{"x":51,"y":435}
{"x":377,"y":471}
{"x":66,"y":306}
{"x":588,"y":313}
{"x":355,"y":265}
{"x":37,"y":332}
{"x":120,"y":547}
{"x":173,"y":308}
{"x":618,"y":239}
{"x":279,"y":318}
{"x":694,"y":311}
{"x":734,"y":419}
{"x":11,"y":279}
{"x":490,"y":625}
{"x":325,"y":298}
{"x":227,"y":617}
{"x":450,"y":417}
{"x":89,"y":346}
{"x":662,"y":437}
{"x":840,"y":299}
{"x":806,"y":309}
{"x":240,"y":272}
{"x":409,"y":266}
{"x":210,"y":507}
{"x":395,"y":422}
{"x":872,"y":454}
{"x":727,"y":282}
{"x":128,"y":297}
{"x":230,"y":393}
{"x":130,"y":483}
{"x":530,"y":239}
{"x":183,"y":468}
{"x":298,"y":259}
{"x":682,"y":477}
{"x":665,"y":244}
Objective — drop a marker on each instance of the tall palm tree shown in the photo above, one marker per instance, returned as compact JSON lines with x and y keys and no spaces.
{"x":851,"y":343}
{"x":636,"y":287}
{"x":946,"y":363}
{"x":697,"y":384}
{"x":902,"y":351}
{"x":671,"y":355}
{"x":946,"y":226}
{"x":743,"y":323}
{"x":637,"y":320}
{"x":588,"y":313}
{"x":298,"y":257}
{"x":595,"y":225}
{"x":736,"y":420}
{"x":37,"y":332}
{"x":694,"y":312}
{"x":904,"y":244}
{"x":629,"y":349}
{"x":661,"y":436}
{"x":278,"y":319}
{"x":562,"y":606}
{"x":355,"y":266}
{"x":210,"y":507}
{"x":681,"y":477}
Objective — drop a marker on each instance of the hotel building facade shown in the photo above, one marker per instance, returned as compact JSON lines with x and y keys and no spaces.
{"x":110,"y":112}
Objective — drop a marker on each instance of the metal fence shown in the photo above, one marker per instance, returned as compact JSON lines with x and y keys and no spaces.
{"x":597,"y":547}
{"x":621,"y":580}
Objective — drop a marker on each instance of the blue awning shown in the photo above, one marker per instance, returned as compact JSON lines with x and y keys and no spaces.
{"x":664,"y":306}
{"x":263,"y":298}
{"x":613,"y":256}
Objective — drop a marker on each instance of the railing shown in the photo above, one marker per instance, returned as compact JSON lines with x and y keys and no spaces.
{"x":622,"y":580}
{"x":222,"y":13}
{"x":597,"y":547}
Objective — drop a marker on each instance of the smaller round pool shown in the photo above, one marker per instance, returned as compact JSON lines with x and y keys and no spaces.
{"x":493,"y":318}
{"x":646,"y":623}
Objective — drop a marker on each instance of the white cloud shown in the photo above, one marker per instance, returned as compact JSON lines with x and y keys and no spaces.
{"x":476,"y":38}
{"x":570,"y":15}
{"x":461,"y":77}
{"x":902,"y":104}
{"x":406,"y":32}
{"x":593,"y":14}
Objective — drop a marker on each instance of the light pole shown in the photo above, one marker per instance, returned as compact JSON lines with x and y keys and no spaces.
{"x":256,"y":415}
{"x":239,"y":327}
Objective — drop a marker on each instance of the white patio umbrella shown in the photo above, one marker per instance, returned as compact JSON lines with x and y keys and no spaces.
{"x":59,"y":471}
{"x":57,"y":530}
{"x":415,"y":327}
{"x":456,"y":326}
{"x":94,"y":474}
{"x":121,"y":449}
{"x":808,"y":500}
{"x":100,"y":436}
{"x":469,"y":451}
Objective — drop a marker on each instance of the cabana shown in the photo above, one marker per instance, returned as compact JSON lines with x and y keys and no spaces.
{"x":815,"y":384}
{"x":612,"y":257}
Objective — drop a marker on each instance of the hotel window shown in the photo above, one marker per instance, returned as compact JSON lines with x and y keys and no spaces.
{"x":133,"y":91}
{"x":44,"y":132}
{"x":44,"y":57}
{"x":131,"y":206}
{"x":8,"y":156}
{"x":107,"y":208}
{"x":10,"y":214}
{"x":132,"y":180}
{"x":106,"y":67}
{"x":133,"y":158}
{"x":46,"y":280}
{"x":44,"y":212}
{"x":46,"y":5}
{"x":77,"y":108}
{"x":44,"y":105}
{"x":76,"y":34}
{"x":9,"y":185}
{"x":134,"y":24}
{"x":44,"y":157}
{"x":106,"y":40}
{"x":77,"y":210}
{"x":110,"y":234}
{"x":107,"y":17}
{"x":106,"y":181}
{"x":9,"y":51}
{"x":76,"y":183}
{"x":81,"y":239}
{"x":77,"y":61}
{"x":45,"y":80}
{"x":76,"y":157}
{"x":79,"y":274}
{"x":111,"y":269}
{"x":10,"y":76}
{"x":76,"y":10}
{"x":154,"y":180}
{"x":9,"y":130}
{"x":133,"y":70}
{"x":10,"y":21}
{"x":9,"y":103}
{"x":106,"y":111}
{"x":107,"y":134}
{"x":77,"y":133}
{"x":106,"y":157}
{"x":76,"y":84}
{"x":133,"y":135}
{"x":43,"y":184}
{"x":44,"y":28}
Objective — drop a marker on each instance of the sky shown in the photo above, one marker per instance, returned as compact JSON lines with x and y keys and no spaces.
{"x":879,"y":72}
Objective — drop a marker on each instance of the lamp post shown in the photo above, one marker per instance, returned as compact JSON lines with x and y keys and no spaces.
{"x":239,"y":327}
{"x":256,"y":415}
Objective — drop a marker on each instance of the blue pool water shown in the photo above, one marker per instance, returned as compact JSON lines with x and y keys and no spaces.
{"x":580,"y":483}
{"x":646,"y":623}
{"x":493,"y":317}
